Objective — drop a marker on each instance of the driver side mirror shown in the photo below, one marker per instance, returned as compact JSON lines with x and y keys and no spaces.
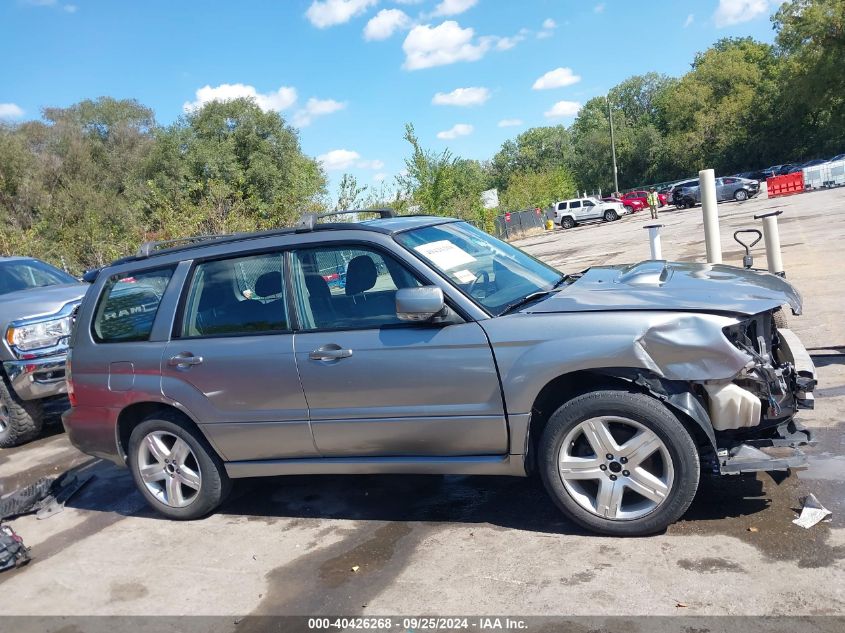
{"x":419,"y":304}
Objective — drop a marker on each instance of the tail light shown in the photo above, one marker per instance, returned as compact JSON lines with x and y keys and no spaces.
{"x":71,"y":394}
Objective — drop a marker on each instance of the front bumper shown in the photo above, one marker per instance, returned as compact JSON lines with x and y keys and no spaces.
{"x":37,"y":378}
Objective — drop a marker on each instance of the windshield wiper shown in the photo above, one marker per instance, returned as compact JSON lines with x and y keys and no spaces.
{"x":534,"y":295}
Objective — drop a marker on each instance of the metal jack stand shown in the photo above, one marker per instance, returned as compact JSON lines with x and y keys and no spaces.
{"x":748,"y":259}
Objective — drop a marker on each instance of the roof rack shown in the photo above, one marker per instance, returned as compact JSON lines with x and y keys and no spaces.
{"x":146,"y":249}
{"x":308,"y":220}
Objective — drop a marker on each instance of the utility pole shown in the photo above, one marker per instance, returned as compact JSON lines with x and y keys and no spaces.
{"x":612,"y":146}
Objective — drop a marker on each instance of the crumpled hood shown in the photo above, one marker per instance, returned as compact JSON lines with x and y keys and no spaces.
{"x":661,"y":285}
{"x":38,"y":301}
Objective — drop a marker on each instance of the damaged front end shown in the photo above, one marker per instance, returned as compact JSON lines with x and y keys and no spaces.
{"x":756,"y":409}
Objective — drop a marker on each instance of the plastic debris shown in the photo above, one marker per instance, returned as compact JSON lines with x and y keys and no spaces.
{"x":355,"y":568}
{"x":13,"y":553}
{"x":812,"y":512}
{"x":45,"y":497}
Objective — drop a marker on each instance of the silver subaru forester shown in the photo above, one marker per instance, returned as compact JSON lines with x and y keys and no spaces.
{"x":423,"y":345}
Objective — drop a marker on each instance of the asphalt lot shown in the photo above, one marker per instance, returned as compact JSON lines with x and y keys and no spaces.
{"x":471,"y":545}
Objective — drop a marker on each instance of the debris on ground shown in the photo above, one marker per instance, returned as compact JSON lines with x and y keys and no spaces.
{"x":45,"y":497}
{"x":13,"y":553}
{"x":812,"y":512}
{"x":753,"y":529}
{"x":355,"y":568}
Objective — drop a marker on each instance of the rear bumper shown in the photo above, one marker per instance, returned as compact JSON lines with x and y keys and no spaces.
{"x":93,"y":431}
{"x":37,"y":378}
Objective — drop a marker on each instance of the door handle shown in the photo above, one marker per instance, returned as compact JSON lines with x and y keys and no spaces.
{"x":330,"y":352}
{"x":184,"y":360}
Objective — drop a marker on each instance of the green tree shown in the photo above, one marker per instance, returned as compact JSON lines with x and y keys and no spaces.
{"x":349,"y":193}
{"x":530,"y":189}
{"x":429,"y":181}
{"x":536,"y":149}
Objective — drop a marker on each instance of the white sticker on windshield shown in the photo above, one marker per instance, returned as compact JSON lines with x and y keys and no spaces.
{"x":464,"y":276}
{"x":444,"y":254}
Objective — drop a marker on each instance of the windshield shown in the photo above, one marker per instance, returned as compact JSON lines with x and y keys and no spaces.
{"x":493,"y":273}
{"x":21,"y":274}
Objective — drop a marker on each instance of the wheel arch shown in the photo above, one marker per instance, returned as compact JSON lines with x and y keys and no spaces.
{"x":676,"y":395}
{"x":135,"y":413}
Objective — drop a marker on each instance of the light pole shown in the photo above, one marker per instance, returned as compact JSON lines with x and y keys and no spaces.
{"x":612,"y":146}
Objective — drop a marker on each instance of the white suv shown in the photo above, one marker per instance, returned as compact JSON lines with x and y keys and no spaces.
{"x":568,"y":213}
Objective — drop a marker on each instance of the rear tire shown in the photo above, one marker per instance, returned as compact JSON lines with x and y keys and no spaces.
{"x":175,"y":469}
{"x":21,"y":421}
{"x":663,"y":462}
{"x":567,"y":223}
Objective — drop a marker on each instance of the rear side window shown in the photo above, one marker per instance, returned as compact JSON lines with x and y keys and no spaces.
{"x":243,"y":295}
{"x":128,"y":306}
{"x":575,"y":205}
{"x":561,"y":206}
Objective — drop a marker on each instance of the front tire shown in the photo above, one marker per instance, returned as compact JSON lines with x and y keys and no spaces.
{"x":740,"y":195}
{"x":175,"y":469}
{"x":21,"y":421}
{"x":619,"y":463}
{"x":610,"y":215}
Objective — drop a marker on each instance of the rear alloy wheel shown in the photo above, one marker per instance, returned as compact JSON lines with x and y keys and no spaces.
{"x":740,"y":195}
{"x":619,"y":463}
{"x":610,"y":215}
{"x":567,"y":223}
{"x":175,"y":468}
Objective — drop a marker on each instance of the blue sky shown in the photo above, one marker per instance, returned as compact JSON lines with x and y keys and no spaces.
{"x":349,"y":73}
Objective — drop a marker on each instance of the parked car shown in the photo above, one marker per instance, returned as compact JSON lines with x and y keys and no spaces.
{"x":837,"y":158}
{"x":568,"y":213}
{"x":813,"y":163}
{"x":643,"y":195}
{"x":675,"y":192}
{"x":728,"y":188}
{"x":788,"y":168}
{"x":36,"y":304}
{"x":631,"y":206}
{"x":446,"y":351}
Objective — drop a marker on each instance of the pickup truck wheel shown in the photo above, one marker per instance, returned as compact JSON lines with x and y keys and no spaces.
{"x":20,"y":420}
{"x":567,"y":223}
{"x":610,"y":215}
{"x":619,"y":463}
{"x":175,"y":468}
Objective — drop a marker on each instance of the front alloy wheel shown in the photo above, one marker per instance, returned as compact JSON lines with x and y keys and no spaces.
{"x":619,"y":462}
{"x":613,"y":480}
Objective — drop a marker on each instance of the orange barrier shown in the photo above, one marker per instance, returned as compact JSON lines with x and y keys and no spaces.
{"x":785,"y":185}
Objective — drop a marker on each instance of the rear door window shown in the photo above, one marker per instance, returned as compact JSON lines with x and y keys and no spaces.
{"x":129,"y":304}
{"x":575,"y":205}
{"x":236,"y":296}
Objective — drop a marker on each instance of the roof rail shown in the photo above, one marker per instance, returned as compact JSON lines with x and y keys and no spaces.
{"x":146,"y":249}
{"x":308,"y":220}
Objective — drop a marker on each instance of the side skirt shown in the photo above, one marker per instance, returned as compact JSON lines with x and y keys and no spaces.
{"x":512,"y":465}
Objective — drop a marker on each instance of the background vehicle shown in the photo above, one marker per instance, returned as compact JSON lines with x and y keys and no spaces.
{"x":36,"y":302}
{"x":643,"y":196}
{"x":445,"y":351}
{"x":675,"y":192}
{"x":568,"y":213}
{"x":631,"y":206}
{"x":728,"y":188}
{"x":836,"y":158}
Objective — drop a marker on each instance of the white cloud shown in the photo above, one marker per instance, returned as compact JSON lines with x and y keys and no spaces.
{"x":599,"y":8}
{"x":563,"y":109}
{"x":385,"y":23}
{"x":557,"y":78}
{"x":549,"y":26}
{"x":453,"y":7}
{"x":447,"y":43}
{"x":341,"y":159}
{"x":541,"y":35}
{"x":510,"y":122}
{"x":548,"y":23}
{"x":732,"y":12}
{"x":380,"y":177}
{"x":507,"y":43}
{"x":314,"y":108}
{"x":70,"y":8}
{"x":326,"y":13}
{"x":282,"y":99}
{"x":462,"y":97}
{"x":690,"y":19}
{"x":459,"y":129}
{"x":10,"y":111}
